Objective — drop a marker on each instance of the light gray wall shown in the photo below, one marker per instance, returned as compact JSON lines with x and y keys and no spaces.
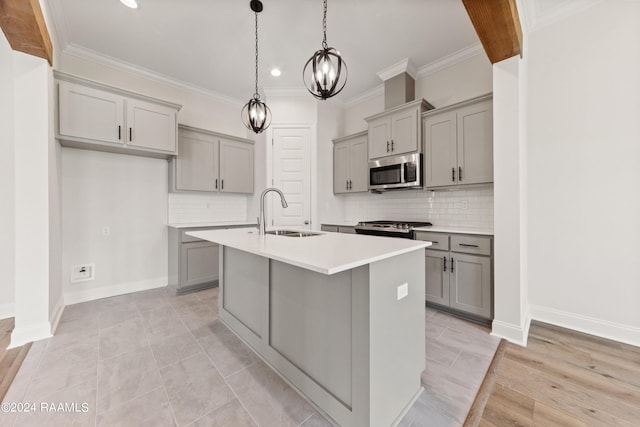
{"x":7,"y":183}
{"x":583,"y":175}
{"x":128,"y":194}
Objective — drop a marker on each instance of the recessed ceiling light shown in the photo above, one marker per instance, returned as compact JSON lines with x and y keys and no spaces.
{"x":133,"y":4}
{"x":275,"y":72}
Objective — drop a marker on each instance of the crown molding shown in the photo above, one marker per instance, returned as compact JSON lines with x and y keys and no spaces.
{"x":539,"y":17}
{"x":98,"y":58}
{"x":403,"y":66}
{"x":370,"y":94}
{"x":451,"y":59}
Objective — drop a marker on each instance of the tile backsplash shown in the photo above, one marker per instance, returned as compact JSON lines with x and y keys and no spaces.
{"x":472,"y":207}
{"x":201,"y":208}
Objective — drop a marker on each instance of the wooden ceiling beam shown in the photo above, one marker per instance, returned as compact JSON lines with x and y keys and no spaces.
{"x":498,"y":27}
{"x":24,"y":26}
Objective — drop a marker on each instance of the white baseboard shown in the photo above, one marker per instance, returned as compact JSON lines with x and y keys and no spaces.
{"x":21,"y":336}
{"x":513,"y":333}
{"x":54,"y":319}
{"x":589,"y":325}
{"x":90,"y":294}
{"x":7,"y":310}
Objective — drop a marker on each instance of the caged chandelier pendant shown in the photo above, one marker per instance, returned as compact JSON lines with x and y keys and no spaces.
{"x":256,"y":116}
{"x":325,"y":73}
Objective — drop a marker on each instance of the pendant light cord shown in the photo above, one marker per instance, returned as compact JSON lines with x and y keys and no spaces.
{"x":324,"y":27}
{"x":256,"y":95}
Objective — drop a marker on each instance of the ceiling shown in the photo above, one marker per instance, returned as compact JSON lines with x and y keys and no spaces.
{"x":209,"y":44}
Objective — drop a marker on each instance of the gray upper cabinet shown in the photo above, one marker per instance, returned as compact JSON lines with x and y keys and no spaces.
{"x":458,"y":144}
{"x":396,"y":131}
{"x":212,"y":162}
{"x":236,"y":166}
{"x":98,"y":117}
{"x":350,"y":164}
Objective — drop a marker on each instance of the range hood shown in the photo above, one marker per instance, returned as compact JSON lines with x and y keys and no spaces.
{"x":399,"y":84}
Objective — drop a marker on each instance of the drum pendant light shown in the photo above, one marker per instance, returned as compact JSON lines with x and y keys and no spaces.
{"x":256,"y":116}
{"x":325,"y":73}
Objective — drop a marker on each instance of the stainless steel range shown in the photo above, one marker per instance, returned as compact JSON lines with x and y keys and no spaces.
{"x":403,"y":229}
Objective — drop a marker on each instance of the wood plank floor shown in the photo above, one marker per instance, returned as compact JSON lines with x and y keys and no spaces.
{"x":564,"y":378}
{"x":10,"y":360}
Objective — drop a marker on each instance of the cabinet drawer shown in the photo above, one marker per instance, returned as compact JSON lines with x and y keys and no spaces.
{"x":480,"y":245}
{"x":346,"y":229}
{"x":332,"y":228}
{"x":439,"y":241}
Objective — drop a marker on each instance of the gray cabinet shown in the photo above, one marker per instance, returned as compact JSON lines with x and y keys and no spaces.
{"x":212,"y":162}
{"x":349,"y":229}
{"x":458,"y":144}
{"x":98,"y":117}
{"x":459,"y":272}
{"x":193,"y":263}
{"x":350,"y":164}
{"x":396,"y":131}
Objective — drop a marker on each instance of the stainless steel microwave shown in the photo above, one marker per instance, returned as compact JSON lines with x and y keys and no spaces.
{"x":396,"y":172}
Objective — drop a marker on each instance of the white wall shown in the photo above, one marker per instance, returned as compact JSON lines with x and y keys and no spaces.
{"x":583,"y":174}
{"x":355,"y":112}
{"x":127,"y":194}
{"x":7,"y":181}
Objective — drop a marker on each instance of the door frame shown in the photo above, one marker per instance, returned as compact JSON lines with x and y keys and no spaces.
{"x":313,"y":156}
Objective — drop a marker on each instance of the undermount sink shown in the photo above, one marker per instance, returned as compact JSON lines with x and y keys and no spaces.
{"x":293,"y":233}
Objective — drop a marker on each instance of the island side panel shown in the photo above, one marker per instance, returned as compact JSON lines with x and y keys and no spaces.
{"x":396,"y":336}
{"x":245,"y":290}
{"x":310,"y":325}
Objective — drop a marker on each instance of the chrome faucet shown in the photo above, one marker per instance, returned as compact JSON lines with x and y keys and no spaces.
{"x":261,"y":220}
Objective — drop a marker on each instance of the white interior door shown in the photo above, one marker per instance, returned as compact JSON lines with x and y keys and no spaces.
{"x":292,"y":175}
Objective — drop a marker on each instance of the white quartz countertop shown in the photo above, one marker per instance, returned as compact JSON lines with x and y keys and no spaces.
{"x":456,"y":229}
{"x":213,"y":224}
{"x":326,"y":253}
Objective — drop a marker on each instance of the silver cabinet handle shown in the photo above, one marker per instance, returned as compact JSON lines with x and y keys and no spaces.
{"x":392,"y":145}
{"x":350,"y":185}
{"x":222,"y":184}
{"x":346,"y":184}
{"x":119,"y":132}
{"x":444,"y":258}
{"x":452,"y":261}
{"x":130,"y":134}
{"x":467,"y":245}
{"x":306,"y":222}
{"x":459,"y":173}
{"x":216,"y":183}
{"x":453,"y":174}
{"x":387,"y":146}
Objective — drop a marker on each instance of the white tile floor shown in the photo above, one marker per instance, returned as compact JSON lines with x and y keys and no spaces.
{"x":154,"y":359}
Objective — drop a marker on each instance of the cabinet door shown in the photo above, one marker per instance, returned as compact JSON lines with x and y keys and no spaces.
{"x":359,"y":165}
{"x":437,"y":277}
{"x":379,"y":138}
{"x":440,"y":154}
{"x":199,"y":263}
{"x":471,"y":284}
{"x":404,"y":131}
{"x":197,"y":163}
{"x":236,"y":167}
{"x":341,"y":162}
{"x":151,"y":126}
{"x":91,"y":114}
{"x":475,"y":144}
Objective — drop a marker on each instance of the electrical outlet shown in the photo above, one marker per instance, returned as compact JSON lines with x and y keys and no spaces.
{"x":83,"y":272}
{"x":403,"y":291}
{"x":106,"y":230}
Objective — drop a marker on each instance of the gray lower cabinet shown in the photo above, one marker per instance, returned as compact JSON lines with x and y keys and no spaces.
{"x":459,"y":272}
{"x":338,"y":228}
{"x":193,"y":263}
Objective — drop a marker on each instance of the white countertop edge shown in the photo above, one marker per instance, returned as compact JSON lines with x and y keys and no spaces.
{"x":291,"y":260}
{"x":211,"y":224}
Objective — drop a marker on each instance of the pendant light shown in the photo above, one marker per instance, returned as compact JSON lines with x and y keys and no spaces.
{"x":325,"y":73}
{"x":256,"y":116}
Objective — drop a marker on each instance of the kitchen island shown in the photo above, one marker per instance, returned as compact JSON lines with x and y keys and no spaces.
{"x":339,"y":316}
